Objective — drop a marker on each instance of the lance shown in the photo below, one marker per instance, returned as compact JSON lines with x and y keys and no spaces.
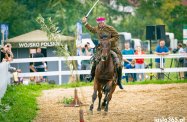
{"x":91,"y":8}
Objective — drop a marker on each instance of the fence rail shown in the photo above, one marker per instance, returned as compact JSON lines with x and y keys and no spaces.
{"x":5,"y":75}
{"x":68,"y":72}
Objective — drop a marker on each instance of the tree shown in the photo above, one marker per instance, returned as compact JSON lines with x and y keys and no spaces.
{"x":179,"y":18}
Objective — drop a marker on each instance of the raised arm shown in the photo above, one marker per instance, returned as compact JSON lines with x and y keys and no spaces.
{"x":88,"y":26}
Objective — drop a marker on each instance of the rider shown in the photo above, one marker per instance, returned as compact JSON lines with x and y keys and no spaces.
{"x":104,"y":31}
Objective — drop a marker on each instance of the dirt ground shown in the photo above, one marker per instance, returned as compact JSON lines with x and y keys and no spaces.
{"x":137,"y":103}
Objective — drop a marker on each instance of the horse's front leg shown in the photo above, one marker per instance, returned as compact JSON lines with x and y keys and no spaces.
{"x":99,"y":96}
{"x":109,"y":97}
{"x":94,"y":96}
{"x":104,"y":101}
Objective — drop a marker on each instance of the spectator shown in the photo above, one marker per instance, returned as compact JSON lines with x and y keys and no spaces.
{"x":32,"y":69}
{"x":7,"y":56}
{"x":185,"y":61}
{"x":9,"y":52}
{"x":131,"y":65}
{"x":20,"y":79}
{"x":85,"y":64}
{"x":139,"y":63}
{"x":17,"y":80}
{"x":181,"y":60}
{"x":4,"y":55}
{"x":161,"y":50}
{"x":127,"y":51}
{"x":39,"y":66}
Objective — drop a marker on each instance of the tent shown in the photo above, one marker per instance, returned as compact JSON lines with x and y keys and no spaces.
{"x":37,"y":38}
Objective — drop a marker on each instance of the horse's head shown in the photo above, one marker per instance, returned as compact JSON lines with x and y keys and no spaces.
{"x":105,"y":49}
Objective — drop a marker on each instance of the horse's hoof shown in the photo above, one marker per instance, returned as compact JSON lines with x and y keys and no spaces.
{"x":91,"y":107}
{"x":106,"y":110}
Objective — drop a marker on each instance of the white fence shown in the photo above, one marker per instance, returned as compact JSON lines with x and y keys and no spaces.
{"x":68,"y":72}
{"x":4,"y":78}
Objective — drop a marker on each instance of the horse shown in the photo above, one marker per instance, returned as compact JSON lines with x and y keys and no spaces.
{"x":105,"y":77}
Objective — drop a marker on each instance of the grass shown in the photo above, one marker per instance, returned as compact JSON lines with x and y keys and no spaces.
{"x":20,"y":104}
{"x":169,"y":63}
{"x":156,"y":82}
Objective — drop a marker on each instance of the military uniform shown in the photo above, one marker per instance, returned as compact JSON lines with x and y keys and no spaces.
{"x":109,"y":33}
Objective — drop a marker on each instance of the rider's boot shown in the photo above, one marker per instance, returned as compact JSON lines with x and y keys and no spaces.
{"x":119,"y":72}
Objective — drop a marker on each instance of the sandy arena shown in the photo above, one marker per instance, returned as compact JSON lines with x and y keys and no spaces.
{"x":137,"y":103}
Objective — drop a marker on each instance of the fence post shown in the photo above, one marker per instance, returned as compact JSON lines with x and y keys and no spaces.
{"x":162,"y":62}
{"x":59,"y":71}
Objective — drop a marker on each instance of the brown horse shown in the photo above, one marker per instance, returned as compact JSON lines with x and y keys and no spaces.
{"x":104,"y":77}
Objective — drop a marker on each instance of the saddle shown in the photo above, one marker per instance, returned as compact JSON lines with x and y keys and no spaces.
{"x":96,"y":58}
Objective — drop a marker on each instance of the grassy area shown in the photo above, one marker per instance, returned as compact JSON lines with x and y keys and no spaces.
{"x":20,"y":105}
{"x":156,"y":82}
{"x":169,"y":63}
{"x":22,"y":102}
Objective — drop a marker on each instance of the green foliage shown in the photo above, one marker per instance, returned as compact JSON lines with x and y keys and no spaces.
{"x":77,"y":84}
{"x":4,"y":108}
{"x":179,"y":18}
{"x":67,"y":100}
{"x":21,"y":15}
{"x":156,"y":82}
{"x":65,"y":48}
{"x":48,"y":26}
{"x":53,"y":33}
{"x":19,"y":103}
{"x":151,"y":12}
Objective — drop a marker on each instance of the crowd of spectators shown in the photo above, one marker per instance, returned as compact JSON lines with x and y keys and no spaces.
{"x":86,"y":50}
{"x":7,"y":56}
{"x":138,"y":63}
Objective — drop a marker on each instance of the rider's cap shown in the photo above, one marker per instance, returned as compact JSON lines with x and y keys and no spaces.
{"x":100,"y":19}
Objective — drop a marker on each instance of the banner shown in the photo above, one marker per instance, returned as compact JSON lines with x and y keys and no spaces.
{"x":35,"y":44}
{"x":4,"y":32}
{"x":79,"y":33}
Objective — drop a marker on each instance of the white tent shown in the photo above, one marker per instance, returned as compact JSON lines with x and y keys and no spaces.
{"x":38,"y":36}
